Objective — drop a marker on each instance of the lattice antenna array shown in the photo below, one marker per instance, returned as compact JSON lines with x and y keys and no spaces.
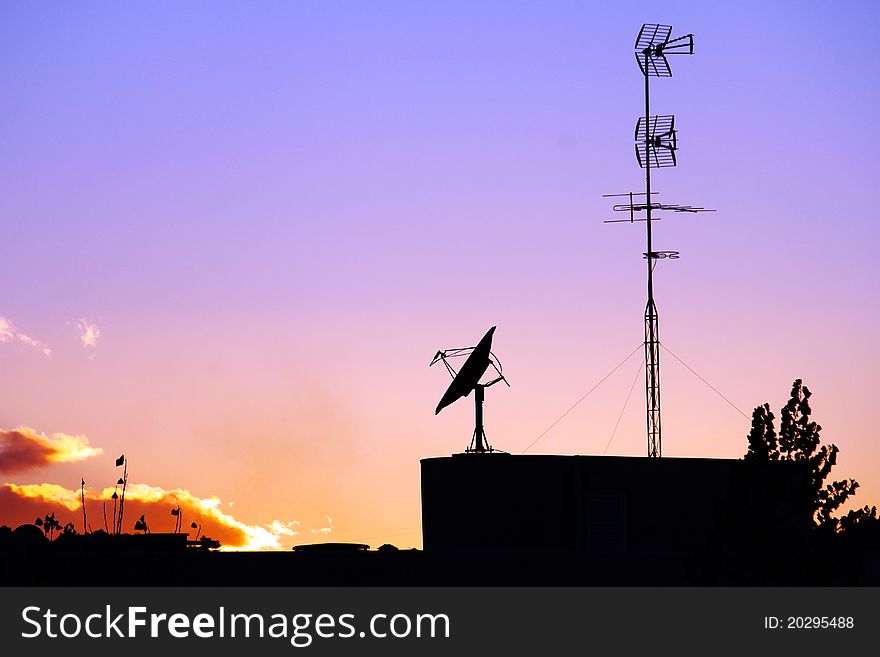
{"x":656,"y":145}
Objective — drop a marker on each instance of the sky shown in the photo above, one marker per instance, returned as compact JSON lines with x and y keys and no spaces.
{"x":234,"y":235}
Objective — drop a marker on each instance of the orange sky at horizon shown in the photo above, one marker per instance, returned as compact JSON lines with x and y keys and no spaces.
{"x":320,"y":458}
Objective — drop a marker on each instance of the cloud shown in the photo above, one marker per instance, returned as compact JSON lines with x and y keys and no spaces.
{"x":24,"y":449}
{"x":325,"y":530}
{"x":89,"y":333}
{"x":284,"y":528}
{"x":48,"y":493}
{"x":23,"y":503}
{"x":10,"y":333}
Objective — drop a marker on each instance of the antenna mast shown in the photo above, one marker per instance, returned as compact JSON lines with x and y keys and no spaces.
{"x":656,"y":144}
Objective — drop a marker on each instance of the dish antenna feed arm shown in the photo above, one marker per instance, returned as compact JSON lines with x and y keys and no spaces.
{"x":479,"y":359}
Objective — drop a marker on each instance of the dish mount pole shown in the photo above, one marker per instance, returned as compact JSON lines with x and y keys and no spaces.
{"x":479,"y":443}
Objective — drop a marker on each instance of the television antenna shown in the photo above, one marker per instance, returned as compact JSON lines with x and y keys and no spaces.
{"x":656,"y":144}
{"x":634,"y":206}
{"x":479,"y":359}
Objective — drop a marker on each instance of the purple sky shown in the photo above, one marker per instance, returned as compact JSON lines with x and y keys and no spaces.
{"x":277,"y":212}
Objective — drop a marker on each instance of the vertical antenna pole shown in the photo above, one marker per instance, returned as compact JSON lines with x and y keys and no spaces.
{"x":652,"y":329}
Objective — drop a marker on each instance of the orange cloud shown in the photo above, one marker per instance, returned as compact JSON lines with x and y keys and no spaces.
{"x":48,"y":493}
{"x":23,"y":503}
{"x":24,"y":449}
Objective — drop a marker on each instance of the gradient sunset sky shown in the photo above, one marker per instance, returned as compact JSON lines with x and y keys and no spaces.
{"x":234,"y":234}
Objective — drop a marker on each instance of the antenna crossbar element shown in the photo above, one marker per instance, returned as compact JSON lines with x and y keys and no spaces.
{"x":629,"y":221}
{"x":656,"y":141}
{"x":629,"y":194}
{"x":641,"y":207}
{"x":635,"y":206}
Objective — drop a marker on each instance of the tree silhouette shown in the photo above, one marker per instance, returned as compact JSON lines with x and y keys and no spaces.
{"x":762,"y":437}
{"x":777,"y":523}
{"x":798,"y":440}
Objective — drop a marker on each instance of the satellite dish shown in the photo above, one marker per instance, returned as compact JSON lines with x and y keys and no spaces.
{"x":479,"y":358}
{"x":470,"y":373}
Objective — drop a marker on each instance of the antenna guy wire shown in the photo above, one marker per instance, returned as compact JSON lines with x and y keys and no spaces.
{"x":585,"y":395}
{"x":622,"y":410}
{"x":717,"y":392}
